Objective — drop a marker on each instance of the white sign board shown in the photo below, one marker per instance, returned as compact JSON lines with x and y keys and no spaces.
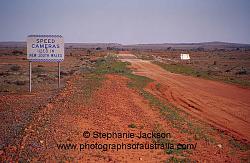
{"x":185,"y":57}
{"x":45,"y":48}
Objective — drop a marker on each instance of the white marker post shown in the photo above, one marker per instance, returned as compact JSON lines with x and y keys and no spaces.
{"x":45,"y":48}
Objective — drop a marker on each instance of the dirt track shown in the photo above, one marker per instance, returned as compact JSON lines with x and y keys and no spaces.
{"x":225,"y":106}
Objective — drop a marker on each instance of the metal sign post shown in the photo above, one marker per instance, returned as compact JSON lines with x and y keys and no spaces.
{"x":45,"y":48}
{"x":58,"y":74}
{"x":30,"y":74}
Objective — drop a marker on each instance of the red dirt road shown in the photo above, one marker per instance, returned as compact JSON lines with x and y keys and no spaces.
{"x":223,"y":105}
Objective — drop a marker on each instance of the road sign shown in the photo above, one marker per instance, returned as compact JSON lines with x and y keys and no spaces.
{"x":185,"y":57}
{"x":45,"y":48}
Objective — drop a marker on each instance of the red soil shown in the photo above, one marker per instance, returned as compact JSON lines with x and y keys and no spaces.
{"x":222,"y":105}
{"x":114,"y":106}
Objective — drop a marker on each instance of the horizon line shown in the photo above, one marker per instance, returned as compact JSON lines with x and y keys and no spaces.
{"x":140,"y":43}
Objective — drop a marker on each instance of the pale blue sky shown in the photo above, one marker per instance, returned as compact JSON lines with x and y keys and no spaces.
{"x":127,"y":21}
